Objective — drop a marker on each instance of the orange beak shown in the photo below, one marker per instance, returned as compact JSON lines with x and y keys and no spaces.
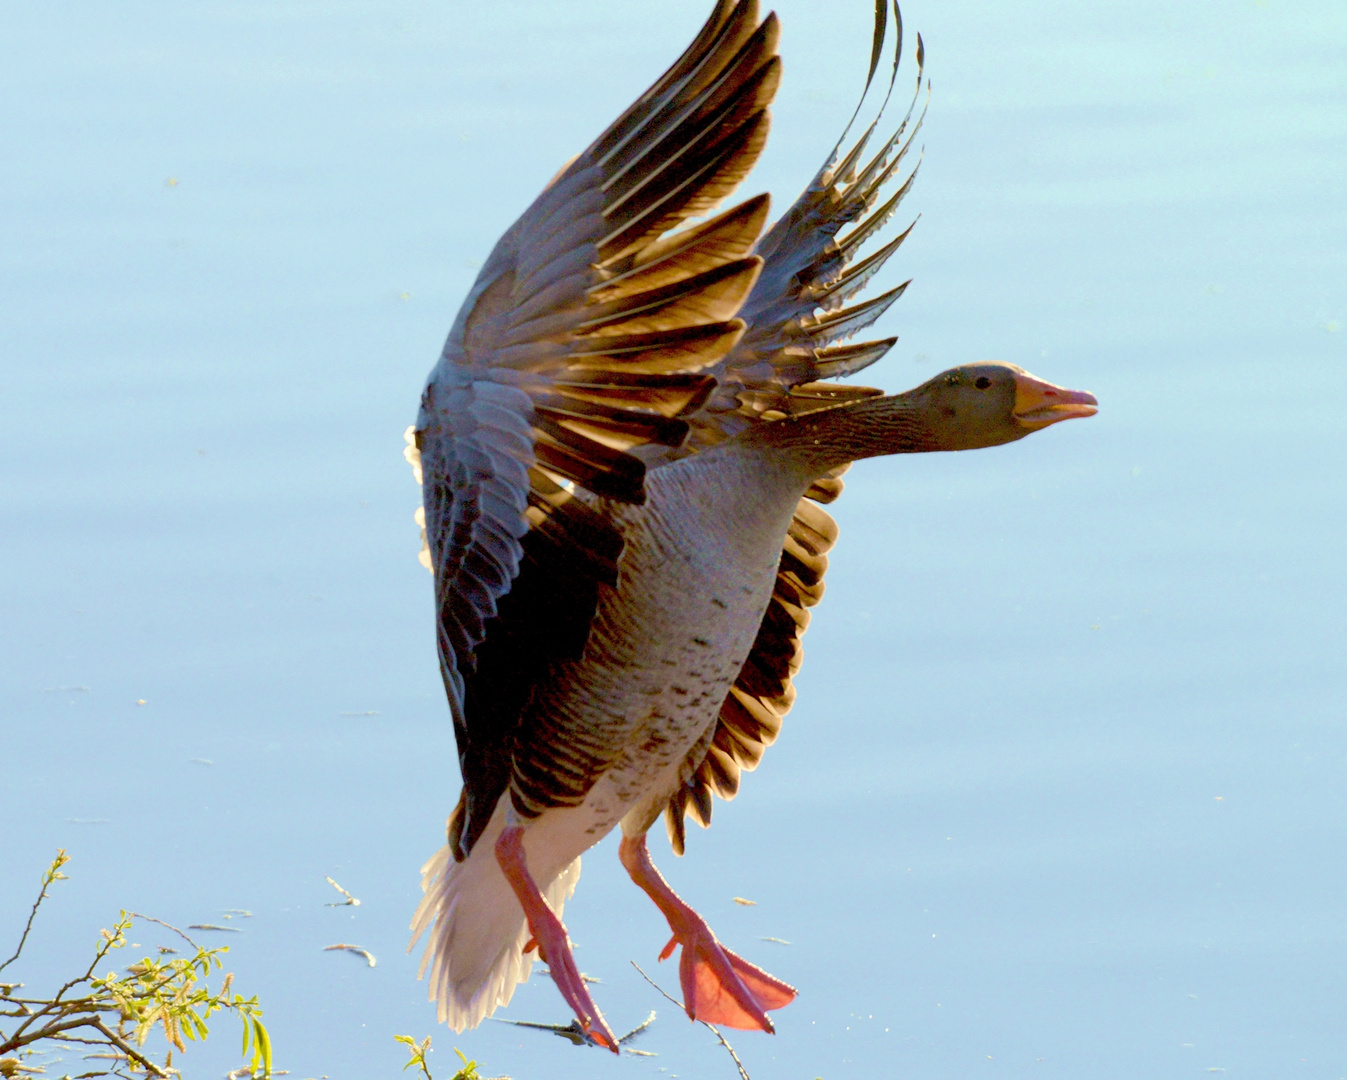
{"x":1039,"y":403}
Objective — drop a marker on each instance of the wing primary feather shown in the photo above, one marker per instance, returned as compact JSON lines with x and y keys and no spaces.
{"x":861,"y":233}
{"x":596,"y":347}
{"x":723,"y":26}
{"x":714,"y":295}
{"x":814,"y":526}
{"x":877,"y":42}
{"x":842,"y":324}
{"x":687,"y":191}
{"x":724,"y":772}
{"x":847,"y":284}
{"x":876,"y":50}
{"x":730,"y":235}
{"x":668,"y":351}
{"x":701,"y":805}
{"x":844,"y":171}
{"x":751,"y":75}
{"x":631,"y":470}
{"x":837,"y":361}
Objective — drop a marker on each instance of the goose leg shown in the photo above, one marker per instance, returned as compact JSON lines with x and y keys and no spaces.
{"x":718,"y":986}
{"x":550,"y":936}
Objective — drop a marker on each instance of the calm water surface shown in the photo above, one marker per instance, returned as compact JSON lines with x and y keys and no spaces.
{"x":1063,"y":795}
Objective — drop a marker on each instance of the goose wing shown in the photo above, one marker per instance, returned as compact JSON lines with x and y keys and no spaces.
{"x":797,"y":319}
{"x":588,"y":334}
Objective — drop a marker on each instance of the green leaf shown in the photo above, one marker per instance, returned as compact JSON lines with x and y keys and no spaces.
{"x":469,"y":1070}
{"x":263,"y":1041}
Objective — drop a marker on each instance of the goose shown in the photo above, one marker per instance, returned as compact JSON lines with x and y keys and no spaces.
{"x":623,"y":453}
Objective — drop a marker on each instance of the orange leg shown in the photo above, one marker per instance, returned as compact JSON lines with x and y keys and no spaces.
{"x":718,"y":986}
{"x":550,"y":936}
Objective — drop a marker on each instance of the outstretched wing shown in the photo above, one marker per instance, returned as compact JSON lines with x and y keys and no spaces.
{"x":588,"y":334}
{"x":796,"y":317}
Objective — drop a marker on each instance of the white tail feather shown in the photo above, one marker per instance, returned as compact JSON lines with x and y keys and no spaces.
{"x":475,"y":951}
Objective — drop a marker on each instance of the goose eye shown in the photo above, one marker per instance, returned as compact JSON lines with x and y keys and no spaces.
{"x":983,"y":382}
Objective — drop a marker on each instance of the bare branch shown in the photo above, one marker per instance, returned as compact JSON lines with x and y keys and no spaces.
{"x":167,"y":926}
{"x":369,"y":956}
{"x":131,"y":1053}
{"x":115,"y":1013}
{"x":743,"y":1073}
{"x":48,"y":1031}
{"x":53,"y":873}
{"x":350,"y":900}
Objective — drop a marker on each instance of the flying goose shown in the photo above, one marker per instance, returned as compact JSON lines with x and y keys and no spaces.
{"x":622,"y":452}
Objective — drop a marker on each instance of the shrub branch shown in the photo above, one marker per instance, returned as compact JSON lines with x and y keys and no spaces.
{"x":119,"y":1012}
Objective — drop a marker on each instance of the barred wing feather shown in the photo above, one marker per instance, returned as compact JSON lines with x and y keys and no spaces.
{"x":589,"y":335}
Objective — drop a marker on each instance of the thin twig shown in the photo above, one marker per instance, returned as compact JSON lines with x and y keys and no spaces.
{"x":167,"y":926}
{"x":96,"y":1010}
{"x":350,"y":900}
{"x":743,"y":1073}
{"x":103,"y":949}
{"x":77,"y":1039}
{"x":48,"y":1007}
{"x":109,"y":941}
{"x":53,"y":873}
{"x":369,"y":956}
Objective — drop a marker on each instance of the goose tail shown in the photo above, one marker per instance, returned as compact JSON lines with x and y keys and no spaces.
{"x":476,"y":932}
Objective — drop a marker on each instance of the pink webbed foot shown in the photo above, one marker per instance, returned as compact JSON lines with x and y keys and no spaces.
{"x":718,"y":986}
{"x":549,"y":935}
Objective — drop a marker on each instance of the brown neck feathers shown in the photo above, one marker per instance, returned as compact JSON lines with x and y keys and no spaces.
{"x":821,"y":441}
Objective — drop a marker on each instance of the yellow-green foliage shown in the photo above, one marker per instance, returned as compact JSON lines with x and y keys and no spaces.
{"x":118,"y":1013}
{"x":419,"y":1050}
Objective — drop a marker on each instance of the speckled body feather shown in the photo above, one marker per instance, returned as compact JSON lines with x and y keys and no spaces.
{"x":699,"y":565}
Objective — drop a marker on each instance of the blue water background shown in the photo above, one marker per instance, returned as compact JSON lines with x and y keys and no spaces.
{"x":1063,"y":794}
